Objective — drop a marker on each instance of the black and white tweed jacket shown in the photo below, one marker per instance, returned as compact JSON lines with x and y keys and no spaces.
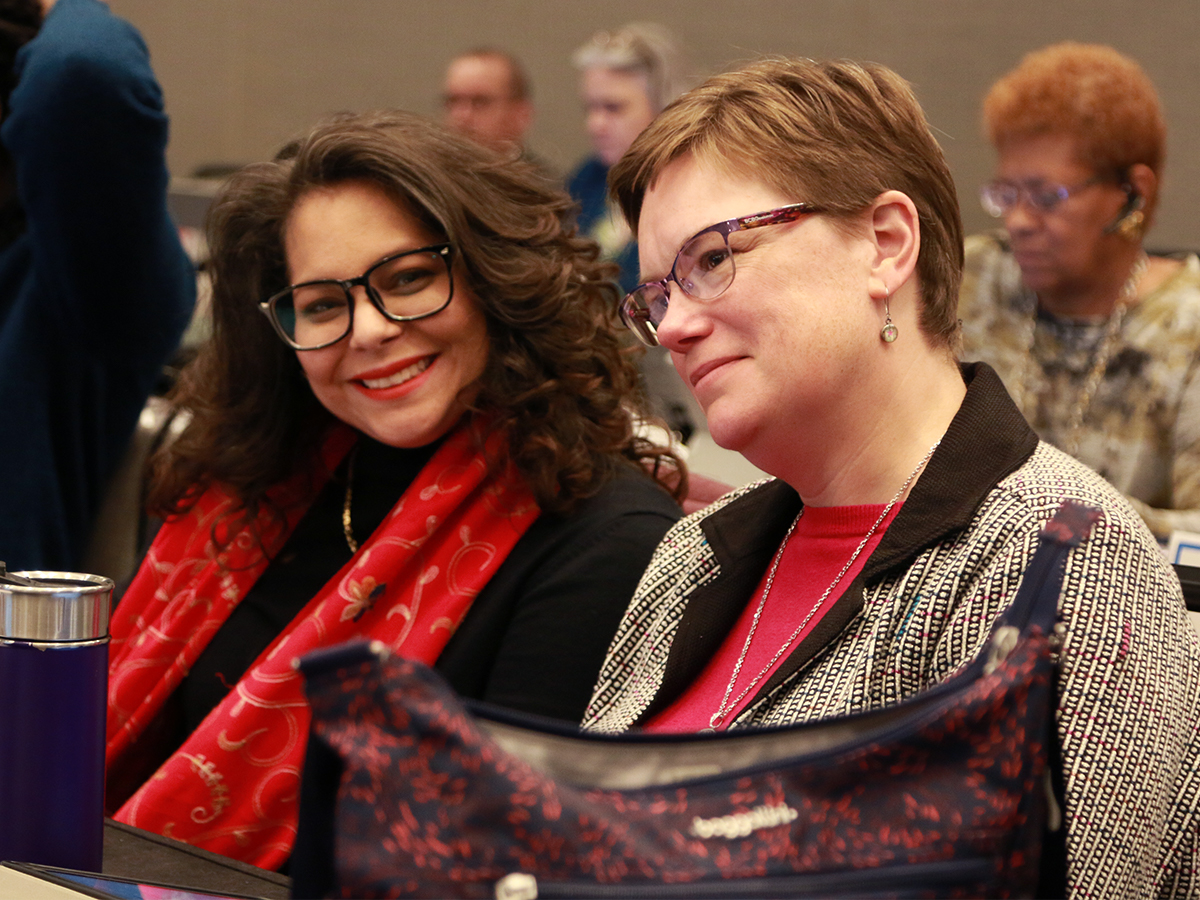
{"x":1129,"y":701}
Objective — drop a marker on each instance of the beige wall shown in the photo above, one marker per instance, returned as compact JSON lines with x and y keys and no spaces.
{"x":241,"y":76}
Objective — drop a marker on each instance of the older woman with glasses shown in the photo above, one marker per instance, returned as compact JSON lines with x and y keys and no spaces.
{"x":1095,"y":340}
{"x":413,"y":424}
{"x":800,"y":239}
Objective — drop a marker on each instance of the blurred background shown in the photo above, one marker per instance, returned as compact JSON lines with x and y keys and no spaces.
{"x":242,"y":76}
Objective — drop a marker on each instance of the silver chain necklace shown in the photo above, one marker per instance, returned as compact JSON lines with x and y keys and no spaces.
{"x":717,"y":718}
{"x":1103,"y":352}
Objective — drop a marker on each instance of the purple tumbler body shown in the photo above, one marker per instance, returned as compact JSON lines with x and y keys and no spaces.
{"x":53,"y":695}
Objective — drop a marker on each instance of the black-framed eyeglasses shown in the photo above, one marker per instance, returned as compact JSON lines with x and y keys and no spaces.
{"x":703,"y":269}
{"x":403,"y":287}
{"x":1000,"y":197}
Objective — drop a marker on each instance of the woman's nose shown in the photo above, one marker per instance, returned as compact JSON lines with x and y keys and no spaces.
{"x":1022,"y":217}
{"x":370,"y":326}
{"x":685,"y":321}
{"x":596,"y":123}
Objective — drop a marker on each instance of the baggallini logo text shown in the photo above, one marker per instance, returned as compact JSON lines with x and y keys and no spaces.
{"x":739,"y":825}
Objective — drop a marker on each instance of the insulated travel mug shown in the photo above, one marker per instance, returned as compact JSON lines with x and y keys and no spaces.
{"x":53,"y":694}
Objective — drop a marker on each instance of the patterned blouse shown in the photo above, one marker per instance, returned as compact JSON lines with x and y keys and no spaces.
{"x":1129,"y":690}
{"x":1141,"y":426}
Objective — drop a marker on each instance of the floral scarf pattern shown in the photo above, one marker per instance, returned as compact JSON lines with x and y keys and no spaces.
{"x":233,"y":786}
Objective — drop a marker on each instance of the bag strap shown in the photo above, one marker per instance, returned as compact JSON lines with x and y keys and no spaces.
{"x":1037,"y":598}
{"x":1036,"y":604}
{"x":324,"y":661}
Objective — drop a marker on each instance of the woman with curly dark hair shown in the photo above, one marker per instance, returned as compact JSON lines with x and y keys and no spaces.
{"x":414,"y":423}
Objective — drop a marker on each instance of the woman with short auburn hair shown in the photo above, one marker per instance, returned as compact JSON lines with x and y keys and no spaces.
{"x":1094,"y":337}
{"x":1091,"y":91}
{"x":413,"y":424}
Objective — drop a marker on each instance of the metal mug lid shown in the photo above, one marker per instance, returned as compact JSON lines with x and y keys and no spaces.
{"x":54,"y":606}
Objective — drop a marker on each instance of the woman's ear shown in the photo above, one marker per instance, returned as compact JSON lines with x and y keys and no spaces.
{"x":895,"y":232}
{"x":1143,"y":181}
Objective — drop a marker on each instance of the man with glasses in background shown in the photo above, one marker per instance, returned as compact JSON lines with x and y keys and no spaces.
{"x":486,"y":96}
{"x":1094,"y":339}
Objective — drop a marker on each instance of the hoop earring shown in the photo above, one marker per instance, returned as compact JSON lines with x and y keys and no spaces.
{"x":889,"y":332}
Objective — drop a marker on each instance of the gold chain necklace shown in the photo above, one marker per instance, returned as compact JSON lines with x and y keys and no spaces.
{"x":715,"y":720}
{"x":1103,"y":352}
{"x":347,"y":527}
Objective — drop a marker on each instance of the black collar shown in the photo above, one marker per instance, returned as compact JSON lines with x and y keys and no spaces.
{"x":987,"y":440}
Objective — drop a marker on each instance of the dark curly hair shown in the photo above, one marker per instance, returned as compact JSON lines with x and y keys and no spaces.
{"x":558,"y":384}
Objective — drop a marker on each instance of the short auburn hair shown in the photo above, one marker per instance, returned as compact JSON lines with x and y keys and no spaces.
{"x":836,"y":134}
{"x":1089,"y":91}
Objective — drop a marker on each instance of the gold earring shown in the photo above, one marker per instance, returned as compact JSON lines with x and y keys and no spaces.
{"x":889,"y":332}
{"x":1132,"y":226}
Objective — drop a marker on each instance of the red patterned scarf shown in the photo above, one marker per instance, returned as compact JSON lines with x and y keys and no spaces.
{"x":232,"y":787}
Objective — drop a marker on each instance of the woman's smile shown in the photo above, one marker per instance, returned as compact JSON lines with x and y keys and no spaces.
{"x":704,"y":370}
{"x":394,"y":375}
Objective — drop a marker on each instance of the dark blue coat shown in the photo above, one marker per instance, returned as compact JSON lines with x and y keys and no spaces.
{"x":96,"y":292}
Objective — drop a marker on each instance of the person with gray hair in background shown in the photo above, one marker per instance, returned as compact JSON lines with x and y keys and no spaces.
{"x":627,"y":77}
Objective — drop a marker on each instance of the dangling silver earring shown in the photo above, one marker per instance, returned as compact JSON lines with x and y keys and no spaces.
{"x":889,"y":332}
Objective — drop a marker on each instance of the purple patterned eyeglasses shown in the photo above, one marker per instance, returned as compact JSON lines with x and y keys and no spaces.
{"x":703,"y":269}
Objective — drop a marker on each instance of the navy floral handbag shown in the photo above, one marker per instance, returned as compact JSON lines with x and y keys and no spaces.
{"x":409,"y":792}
